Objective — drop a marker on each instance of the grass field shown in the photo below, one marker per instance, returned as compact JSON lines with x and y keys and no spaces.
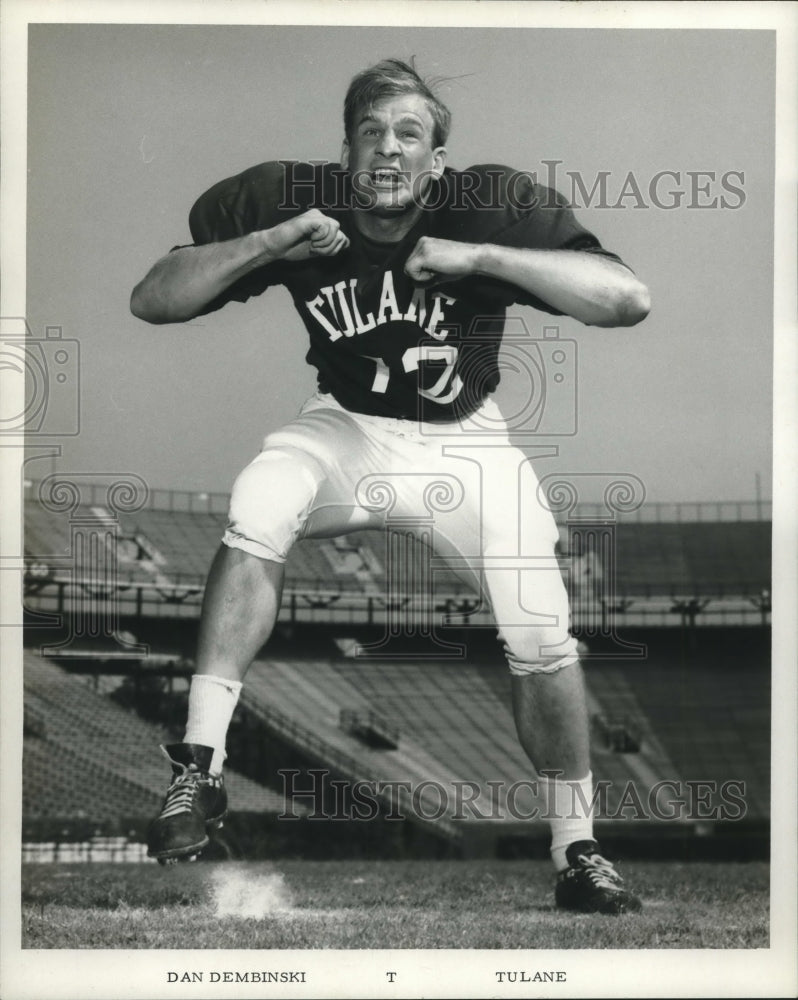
{"x":373,"y":904}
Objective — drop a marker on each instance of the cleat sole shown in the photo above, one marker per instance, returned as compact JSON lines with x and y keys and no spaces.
{"x":179,"y":853}
{"x":182,"y":860}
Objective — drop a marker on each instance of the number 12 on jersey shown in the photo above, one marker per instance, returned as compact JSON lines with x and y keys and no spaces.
{"x":412,"y":358}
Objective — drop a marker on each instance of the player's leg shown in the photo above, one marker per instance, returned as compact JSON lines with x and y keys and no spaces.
{"x":550,"y":710}
{"x":240,"y":606}
{"x":245,"y":584}
{"x":242,"y":598}
{"x":239,"y":609}
{"x":530,"y":605}
{"x":274,"y":500}
{"x":551,"y":719}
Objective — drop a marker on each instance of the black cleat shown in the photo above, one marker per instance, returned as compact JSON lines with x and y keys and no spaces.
{"x":195,"y":803}
{"x":590,"y":884}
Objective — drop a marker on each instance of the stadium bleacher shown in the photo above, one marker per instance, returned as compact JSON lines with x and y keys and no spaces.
{"x":86,"y":756}
{"x":679,"y":558}
{"x":45,"y":534}
{"x":455,"y":721}
{"x":303,"y":700}
{"x":714,"y":722}
{"x":695,"y":559}
{"x":688,"y":716}
{"x":737,"y":559}
{"x":460,"y":713}
{"x":185,"y":542}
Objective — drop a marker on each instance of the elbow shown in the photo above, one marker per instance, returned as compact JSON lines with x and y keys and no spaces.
{"x":628,"y":306}
{"x":145,"y":307}
{"x":140,"y":305}
{"x":634,"y":305}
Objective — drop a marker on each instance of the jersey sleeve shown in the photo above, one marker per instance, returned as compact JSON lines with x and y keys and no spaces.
{"x":514,"y":211}
{"x":237,"y":206}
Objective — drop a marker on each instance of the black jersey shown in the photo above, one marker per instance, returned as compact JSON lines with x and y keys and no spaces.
{"x":383,"y":344}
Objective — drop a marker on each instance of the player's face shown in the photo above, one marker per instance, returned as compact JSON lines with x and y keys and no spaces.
{"x":391,"y":157}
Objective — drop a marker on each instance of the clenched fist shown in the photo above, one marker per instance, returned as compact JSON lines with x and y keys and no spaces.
{"x":312,"y":234}
{"x":434,"y":260}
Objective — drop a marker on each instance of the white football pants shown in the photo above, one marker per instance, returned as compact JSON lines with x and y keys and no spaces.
{"x":331,"y":471}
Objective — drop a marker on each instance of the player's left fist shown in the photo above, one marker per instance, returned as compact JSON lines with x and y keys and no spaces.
{"x":434,"y":260}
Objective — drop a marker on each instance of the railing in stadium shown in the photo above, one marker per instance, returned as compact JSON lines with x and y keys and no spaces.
{"x":194,"y":502}
{"x":164,"y":590}
{"x":720,"y":604}
{"x":98,"y":849}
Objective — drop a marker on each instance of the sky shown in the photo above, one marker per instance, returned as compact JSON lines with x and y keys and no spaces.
{"x":128,"y":124}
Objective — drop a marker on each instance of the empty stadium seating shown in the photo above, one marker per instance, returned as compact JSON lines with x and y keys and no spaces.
{"x":454,"y":719}
{"x":714,"y":722}
{"x":301,"y":700}
{"x":184,"y":541}
{"x":693,"y":559}
{"x":86,"y":756}
{"x":698,"y":717}
{"x":668,"y":559}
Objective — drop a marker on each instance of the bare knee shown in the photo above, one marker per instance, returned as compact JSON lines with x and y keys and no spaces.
{"x":230,"y":561}
{"x":537,"y":651}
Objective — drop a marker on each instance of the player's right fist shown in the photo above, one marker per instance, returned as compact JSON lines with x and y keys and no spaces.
{"x":312,"y":234}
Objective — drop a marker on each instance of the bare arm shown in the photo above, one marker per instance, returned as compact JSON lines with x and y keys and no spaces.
{"x":182,"y":283}
{"x":591,"y":288}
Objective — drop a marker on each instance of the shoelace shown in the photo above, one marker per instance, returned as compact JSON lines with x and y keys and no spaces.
{"x":600,"y":871}
{"x":180,"y":794}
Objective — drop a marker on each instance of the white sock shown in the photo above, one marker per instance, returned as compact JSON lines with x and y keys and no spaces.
{"x":211,"y":702}
{"x":569,"y":813}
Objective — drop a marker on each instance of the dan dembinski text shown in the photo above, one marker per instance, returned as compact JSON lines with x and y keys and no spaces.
{"x":235,"y":977}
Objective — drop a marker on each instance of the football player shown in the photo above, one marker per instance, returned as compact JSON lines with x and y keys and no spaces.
{"x":401,"y":269}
